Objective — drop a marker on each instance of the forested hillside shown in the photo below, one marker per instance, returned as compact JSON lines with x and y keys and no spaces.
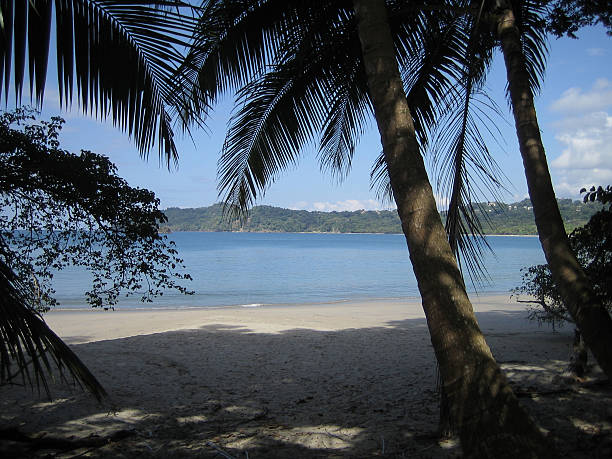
{"x":498,"y":218}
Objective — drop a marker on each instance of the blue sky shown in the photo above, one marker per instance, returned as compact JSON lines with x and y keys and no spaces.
{"x":574,"y":110}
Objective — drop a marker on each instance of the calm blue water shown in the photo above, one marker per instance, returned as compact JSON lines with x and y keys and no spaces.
{"x":279,"y":268}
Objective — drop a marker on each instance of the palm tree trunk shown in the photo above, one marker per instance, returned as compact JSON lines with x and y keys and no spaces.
{"x":590,"y":316}
{"x":482,"y":404}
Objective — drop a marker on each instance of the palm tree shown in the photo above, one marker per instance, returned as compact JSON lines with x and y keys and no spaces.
{"x":576,"y":290}
{"x":123,"y":55}
{"x":307,"y":67}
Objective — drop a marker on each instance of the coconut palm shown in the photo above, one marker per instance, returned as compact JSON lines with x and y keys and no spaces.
{"x":519,"y":28}
{"x":319,"y":68}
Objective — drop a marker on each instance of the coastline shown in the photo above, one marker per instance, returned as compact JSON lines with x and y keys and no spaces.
{"x":317,"y":232}
{"x":89,"y":325}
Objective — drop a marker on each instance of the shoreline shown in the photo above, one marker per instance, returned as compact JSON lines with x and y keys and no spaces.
{"x":89,"y":325}
{"x":321,"y":232}
{"x":329,"y":303}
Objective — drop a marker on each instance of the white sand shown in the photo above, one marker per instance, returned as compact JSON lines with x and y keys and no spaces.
{"x":83,"y":326}
{"x":344,"y":379}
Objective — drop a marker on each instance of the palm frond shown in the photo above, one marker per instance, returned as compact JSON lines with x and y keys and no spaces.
{"x":379,"y":180}
{"x":467,"y":173}
{"x":29,"y":349}
{"x":430,"y":53}
{"x":460,"y":137}
{"x":346,"y":118}
{"x":280,"y":112}
{"x":310,"y":88}
{"x":233,"y":43}
{"x":123,"y":54}
{"x":530,"y":19}
{"x":431,"y":48}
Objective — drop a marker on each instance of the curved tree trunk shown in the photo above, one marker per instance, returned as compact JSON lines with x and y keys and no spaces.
{"x":492,"y":424}
{"x":590,"y":316}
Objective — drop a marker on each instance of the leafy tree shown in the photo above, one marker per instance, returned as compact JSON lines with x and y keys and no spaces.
{"x":60,"y":209}
{"x":567,"y":16}
{"x":592,"y":244}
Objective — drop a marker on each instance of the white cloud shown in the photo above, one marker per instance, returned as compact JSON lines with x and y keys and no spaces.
{"x":596,"y":52}
{"x":588,"y":143}
{"x":574,"y":100}
{"x":299,"y":205}
{"x":586,"y":158}
{"x":339,"y":206}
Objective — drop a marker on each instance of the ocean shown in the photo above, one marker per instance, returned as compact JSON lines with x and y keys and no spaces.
{"x":254,"y":269}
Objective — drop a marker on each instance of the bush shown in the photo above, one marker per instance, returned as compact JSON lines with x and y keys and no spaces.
{"x":592,"y":244}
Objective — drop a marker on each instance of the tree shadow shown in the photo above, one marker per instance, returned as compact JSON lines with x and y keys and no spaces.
{"x":365,"y":392}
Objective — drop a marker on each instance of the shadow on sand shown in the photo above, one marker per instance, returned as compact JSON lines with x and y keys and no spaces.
{"x":302,"y":393}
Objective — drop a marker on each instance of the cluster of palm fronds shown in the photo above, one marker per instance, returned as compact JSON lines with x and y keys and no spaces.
{"x":122,"y":54}
{"x":29,"y":350}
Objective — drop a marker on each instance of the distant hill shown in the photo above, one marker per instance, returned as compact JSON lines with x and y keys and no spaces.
{"x":498,"y":218}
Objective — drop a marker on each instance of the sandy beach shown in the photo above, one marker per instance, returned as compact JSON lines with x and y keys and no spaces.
{"x":319,"y":380}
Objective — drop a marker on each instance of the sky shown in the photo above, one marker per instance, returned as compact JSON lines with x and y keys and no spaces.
{"x":574,"y":111}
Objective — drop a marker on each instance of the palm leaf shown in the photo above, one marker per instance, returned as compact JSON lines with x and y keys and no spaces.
{"x":123,"y":55}
{"x":233,"y":42}
{"x":431,"y":49}
{"x":29,"y":349}
{"x":467,"y":173}
{"x":310,"y":88}
{"x":379,"y":180}
{"x":430,"y":53}
{"x":267,"y":133}
{"x":342,"y":94}
{"x":529,"y":16}
{"x":466,"y":150}
{"x":344,"y":123}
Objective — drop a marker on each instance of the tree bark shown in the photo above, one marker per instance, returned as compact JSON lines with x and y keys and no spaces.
{"x":588,"y":313}
{"x":482,"y":404}
{"x":579,"y":357}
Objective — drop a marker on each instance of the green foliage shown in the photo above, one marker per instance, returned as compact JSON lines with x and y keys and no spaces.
{"x":515,"y":218}
{"x":567,"y":16}
{"x":275,"y":219}
{"x":592,"y":244}
{"x":60,"y":209}
{"x":600,"y":194}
